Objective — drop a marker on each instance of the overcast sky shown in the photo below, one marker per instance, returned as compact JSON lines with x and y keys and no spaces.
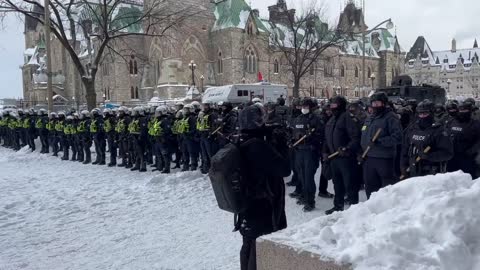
{"x":438,"y":20}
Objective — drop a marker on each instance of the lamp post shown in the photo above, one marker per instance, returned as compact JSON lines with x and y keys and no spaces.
{"x":364,"y":34}
{"x":202,"y":79}
{"x":193,"y":66}
{"x":372,"y":77}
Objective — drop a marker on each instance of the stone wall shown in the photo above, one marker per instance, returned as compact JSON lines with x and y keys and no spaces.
{"x":275,"y":256}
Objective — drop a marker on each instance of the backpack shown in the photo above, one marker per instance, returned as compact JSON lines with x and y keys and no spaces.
{"x":228,"y":182}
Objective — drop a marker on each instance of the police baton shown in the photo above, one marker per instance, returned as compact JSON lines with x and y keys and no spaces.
{"x":216,"y":131}
{"x":303,"y":138}
{"x":374,"y":139}
{"x":417,"y":160}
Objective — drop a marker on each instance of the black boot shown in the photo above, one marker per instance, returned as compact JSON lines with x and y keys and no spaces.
{"x":333,"y":210}
{"x":308,"y":207}
{"x":325,"y":194}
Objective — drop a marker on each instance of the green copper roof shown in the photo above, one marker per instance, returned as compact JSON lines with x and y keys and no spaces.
{"x":231,"y":14}
{"x":126,"y":19}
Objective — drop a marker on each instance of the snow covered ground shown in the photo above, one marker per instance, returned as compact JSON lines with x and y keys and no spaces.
{"x":64,"y":215}
{"x":426,"y":223}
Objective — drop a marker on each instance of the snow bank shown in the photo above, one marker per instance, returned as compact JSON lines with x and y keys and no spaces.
{"x":422,"y":223}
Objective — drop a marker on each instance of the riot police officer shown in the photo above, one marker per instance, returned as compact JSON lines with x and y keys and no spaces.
{"x":109,"y":128}
{"x":464,"y":131}
{"x":427,"y":147}
{"x":121,"y":130}
{"x":308,"y":132}
{"x":227,"y":122}
{"x":98,"y":134}
{"x":381,"y":134}
{"x":83,"y":130}
{"x":208,"y":145}
{"x":342,"y":142}
{"x":41,"y":126}
{"x":138,"y":135}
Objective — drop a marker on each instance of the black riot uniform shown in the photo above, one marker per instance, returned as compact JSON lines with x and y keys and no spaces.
{"x":227,"y":122}
{"x":342,"y":142}
{"x":379,"y":164}
{"x":428,"y":141}
{"x":464,"y":132}
{"x":307,"y":152}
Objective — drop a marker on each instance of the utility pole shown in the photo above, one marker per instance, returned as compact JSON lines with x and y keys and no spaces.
{"x":49,"y":56}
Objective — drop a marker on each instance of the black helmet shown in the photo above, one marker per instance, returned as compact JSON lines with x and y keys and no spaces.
{"x":412,"y":102}
{"x":452,"y":105}
{"x":426,"y":106}
{"x":308,"y":102}
{"x":466,"y":105}
{"x":281,"y":101}
{"x":340,"y":101}
{"x":439,"y":108}
{"x":379,"y":96}
{"x":470,"y":100}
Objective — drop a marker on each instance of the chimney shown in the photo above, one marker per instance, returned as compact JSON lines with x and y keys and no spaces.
{"x":454,"y":45}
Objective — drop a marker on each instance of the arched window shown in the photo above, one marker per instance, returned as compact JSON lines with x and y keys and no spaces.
{"x":220,"y":63}
{"x":342,"y":71}
{"x":250,"y":61}
{"x":133,"y":67}
{"x":393,"y":73}
{"x":276,"y":67}
{"x":312,"y":70}
{"x":132,"y":93}
{"x":136,"y":92}
{"x":356,"y":72}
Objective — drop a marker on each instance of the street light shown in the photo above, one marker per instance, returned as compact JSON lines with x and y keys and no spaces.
{"x":372,"y":77}
{"x":193,"y":66}
{"x":389,"y":25}
{"x":202,"y":79}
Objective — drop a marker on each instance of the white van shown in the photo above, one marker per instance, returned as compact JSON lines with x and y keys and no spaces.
{"x":241,"y":93}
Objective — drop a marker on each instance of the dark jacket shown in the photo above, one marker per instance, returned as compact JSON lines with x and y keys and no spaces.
{"x":342,"y":132}
{"x":465,"y":137}
{"x":416,"y":140}
{"x":267,"y":165}
{"x":303,"y":125}
{"x":390,"y":137}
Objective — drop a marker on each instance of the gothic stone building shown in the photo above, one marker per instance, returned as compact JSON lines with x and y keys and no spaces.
{"x":229,"y":44}
{"x":456,"y":70}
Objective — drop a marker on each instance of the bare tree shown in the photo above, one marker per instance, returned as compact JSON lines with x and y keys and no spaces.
{"x":302,"y":40}
{"x":102,"y":20}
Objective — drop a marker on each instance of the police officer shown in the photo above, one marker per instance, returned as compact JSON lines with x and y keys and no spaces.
{"x":68,"y":131}
{"x":428,"y":141}
{"x":342,"y":142}
{"x":41,"y":127}
{"x":227,"y":122}
{"x":464,"y":131}
{"x":121,"y":130}
{"x":208,"y":145}
{"x":177,"y":143}
{"x":282,"y":111}
{"x":166,"y":137}
{"x":59,"y":135}
{"x":379,"y":164}
{"x":155,"y":133}
{"x":85,"y":137}
{"x":138,"y":135}
{"x":21,"y":130}
{"x":308,"y":132}
{"x":98,"y":134}
{"x":190,"y":139}
{"x":109,"y":128}
{"x":356,"y":110}
{"x":29,"y":129}
{"x":52,"y":120}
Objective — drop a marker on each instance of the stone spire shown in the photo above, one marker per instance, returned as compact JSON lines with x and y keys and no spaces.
{"x":454,"y":45}
{"x":475,"y":44}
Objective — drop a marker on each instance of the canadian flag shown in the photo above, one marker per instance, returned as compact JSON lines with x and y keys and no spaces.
{"x":260,"y":77}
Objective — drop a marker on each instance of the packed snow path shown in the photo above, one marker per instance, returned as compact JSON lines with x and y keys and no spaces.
{"x":65,"y":215}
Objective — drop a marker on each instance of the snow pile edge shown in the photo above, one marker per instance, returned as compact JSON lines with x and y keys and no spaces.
{"x":422,"y":223}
